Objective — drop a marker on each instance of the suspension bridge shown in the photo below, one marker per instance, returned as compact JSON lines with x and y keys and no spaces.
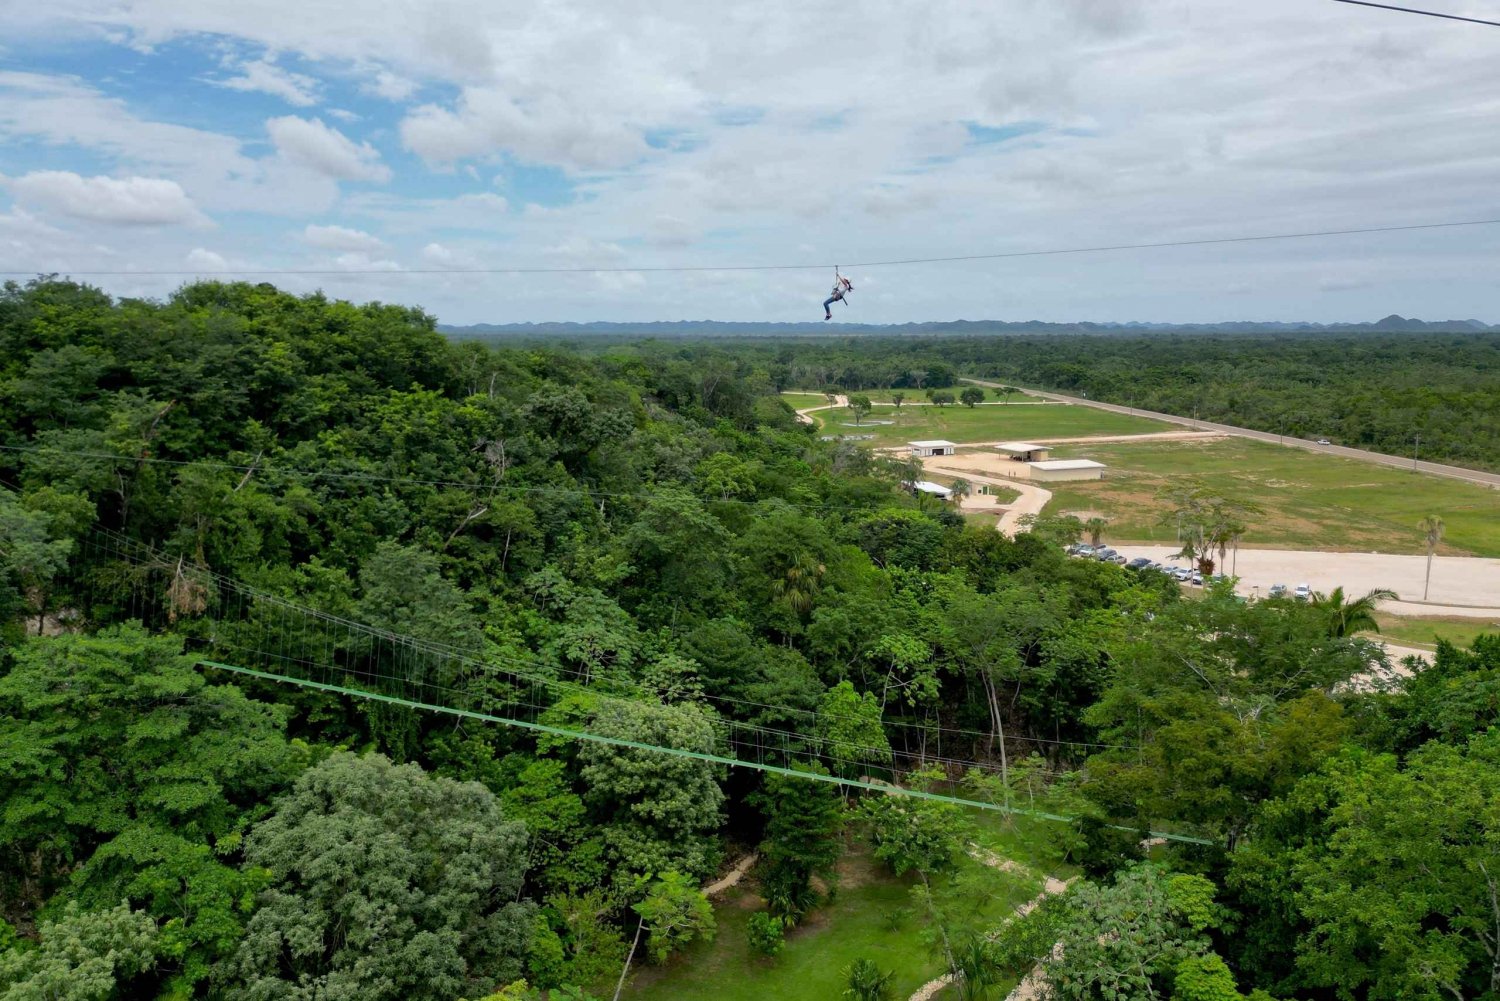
{"x":236,"y":629}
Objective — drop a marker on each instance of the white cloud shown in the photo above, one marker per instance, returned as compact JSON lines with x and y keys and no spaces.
{"x":131,"y":201}
{"x":436,"y":253}
{"x":391,"y":86}
{"x":200,"y":259}
{"x":341,"y":238}
{"x":690,"y":133}
{"x":268,"y":78}
{"x":482,"y":211}
{"x":310,"y":143}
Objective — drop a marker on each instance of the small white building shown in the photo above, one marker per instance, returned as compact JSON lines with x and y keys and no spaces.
{"x":1066,"y":470}
{"x":922,"y":449}
{"x":1023,"y":451}
{"x":935,"y":489}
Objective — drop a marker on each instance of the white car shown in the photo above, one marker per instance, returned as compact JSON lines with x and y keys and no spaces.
{"x":1324,"y":441}
{"x":1302,"y":593}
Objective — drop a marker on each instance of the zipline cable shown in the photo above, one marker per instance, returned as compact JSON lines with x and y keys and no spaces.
{"x":466,"y":657}
{"x":644,"y":269}
{"x":1427,"y":13}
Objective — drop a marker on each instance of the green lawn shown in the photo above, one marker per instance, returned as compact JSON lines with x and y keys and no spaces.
{"x":1309,"y":501}
{"x":998,"y":423}
{"x":1425,"y":632}
{"x":872,"y":916}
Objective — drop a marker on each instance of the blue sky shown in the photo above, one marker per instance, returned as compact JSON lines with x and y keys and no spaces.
{"x":383,"y":141}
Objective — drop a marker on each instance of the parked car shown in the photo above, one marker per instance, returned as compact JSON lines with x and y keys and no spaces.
{"x":1324,"y":441}
{"x":1196,"y":579}
{"x":1277,"y":591}
{"x":1104,"y":554}
{"x":1303,"y":592}
{"x":1139,"y":563}
{"x":1182,"y":573}
{"x":1079,"y":549}
{"x":1117,"y":558}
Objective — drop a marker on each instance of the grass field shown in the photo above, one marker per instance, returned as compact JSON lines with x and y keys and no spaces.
{"x":1424,"y":632}
{"x":872,"y":916}
{"x":999,"y":423}
{"x":1309,"y":501}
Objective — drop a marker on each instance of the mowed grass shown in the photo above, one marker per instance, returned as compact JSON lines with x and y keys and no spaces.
{"x":998,"y":423}
{"x":872,"y":916}
{"x":1309,"y":501}
{"x":1425,"y":632}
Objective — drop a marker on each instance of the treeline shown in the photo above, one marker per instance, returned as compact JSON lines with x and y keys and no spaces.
{"x":654,"y":526}
{"x":1372,"y":391}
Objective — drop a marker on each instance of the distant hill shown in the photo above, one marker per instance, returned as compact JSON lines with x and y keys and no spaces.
{"x":956,"y":328}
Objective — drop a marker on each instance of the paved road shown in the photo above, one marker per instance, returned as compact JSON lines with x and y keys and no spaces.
{"x":1380,"y":458}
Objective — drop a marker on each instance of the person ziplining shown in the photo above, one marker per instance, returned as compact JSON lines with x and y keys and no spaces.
{"x":841,"y":289}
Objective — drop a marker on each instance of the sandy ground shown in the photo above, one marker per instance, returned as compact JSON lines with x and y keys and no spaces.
{"x":1462,"y":586}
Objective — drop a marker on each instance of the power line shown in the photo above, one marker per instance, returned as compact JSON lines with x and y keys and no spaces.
{"x":1427,"y":13}
{"x":898,"y":262}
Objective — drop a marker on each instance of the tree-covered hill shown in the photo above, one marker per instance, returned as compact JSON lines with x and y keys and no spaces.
{"x":652,"y":525}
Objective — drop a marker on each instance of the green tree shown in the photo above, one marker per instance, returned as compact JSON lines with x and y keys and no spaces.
{"x":1345,"y":618}
{"x":860,"y":404}
{"x":942,"y":399}
{"x":385,"y":883}
{"x":83,"y":956}
{"x":804,"y":819}
{"x":31,"y":556}
{"x":658,"y":811}
{"x":849,"y":730}
{"x":867,"y":981}
{"x":1127,"y":940}
{"x":672,"y":914}
{"x":766,"y":932}
{"x":898,"y":398}
{"x":971,"y":396}
{"x":1382,"y":874}
{"x":116,"y":744}
{"x":960,"y":489}
{"x":1431,"y":528}
{"x":1095,"y":527}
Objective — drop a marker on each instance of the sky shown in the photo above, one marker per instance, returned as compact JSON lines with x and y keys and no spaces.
{"x":384,"y":141}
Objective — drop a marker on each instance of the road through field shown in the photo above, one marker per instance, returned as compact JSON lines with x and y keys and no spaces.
{"x":1380,"y":458}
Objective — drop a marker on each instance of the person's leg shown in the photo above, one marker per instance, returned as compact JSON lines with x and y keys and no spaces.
{"x":827,"y":314}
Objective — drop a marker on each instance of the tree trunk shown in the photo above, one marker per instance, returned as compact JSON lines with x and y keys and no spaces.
{"x":1428,"y":581}
{"x":640,"y":923}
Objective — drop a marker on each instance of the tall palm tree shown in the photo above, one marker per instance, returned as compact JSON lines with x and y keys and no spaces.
{"x":960,"y":488}
{"x":1432,"y":528}
{"x":1095,"y":526}
{"x":1345,"y":618}
{"x":798,"y":587}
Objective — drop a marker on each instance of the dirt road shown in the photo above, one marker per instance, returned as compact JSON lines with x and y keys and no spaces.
{"x":1032,"y":499}
{"x":805,"y":415}
{"x":1380,"y":458}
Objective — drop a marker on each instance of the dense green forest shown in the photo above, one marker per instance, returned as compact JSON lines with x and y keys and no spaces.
{"x":1377,"y":391}
{"x":652,"y":523}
